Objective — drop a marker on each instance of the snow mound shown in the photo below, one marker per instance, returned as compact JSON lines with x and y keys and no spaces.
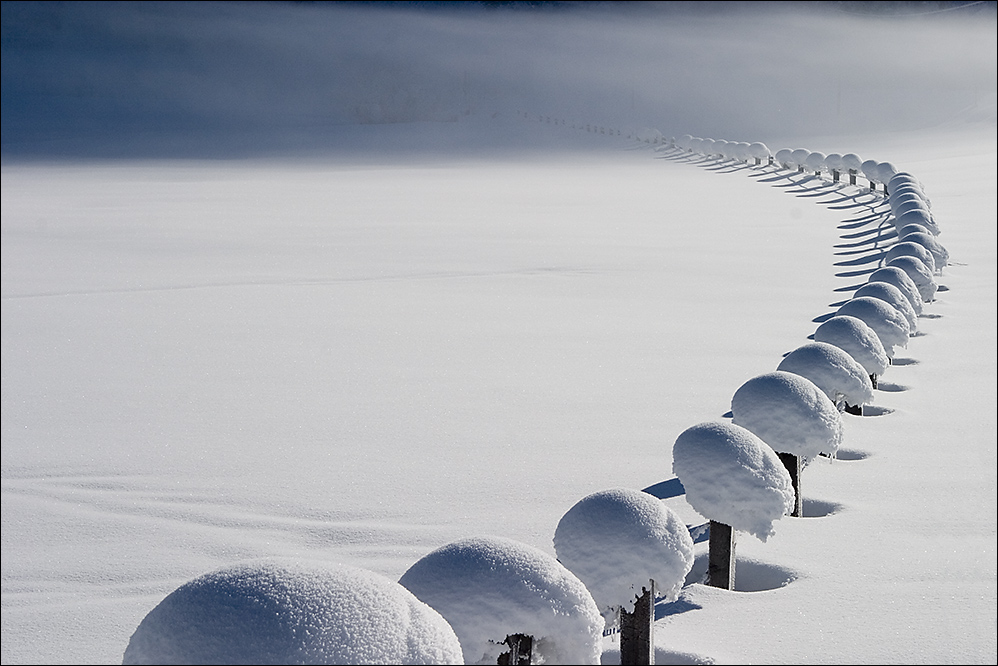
{"x":490,"y":587}
{"x":897,"y":277}
{"x":892,"y":295}
{"x":917,"y":216}
{"x":733,"y":477}
{"x":911,"y":249}
{"x":914,"y":233}
{"x":790,"y":412}
{"x":857,"y":339}
{"x":616,"y":540}
{"x":832,"y":370}
{"x":278,"y":611}
{"x":885,"y":319}
{"x":919,"y":274}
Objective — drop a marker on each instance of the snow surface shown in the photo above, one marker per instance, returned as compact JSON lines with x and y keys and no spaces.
{"x":791,"y":413}
{"x":281,"y":611}
{"x":315,"y":281}
{"x":616,"y":540}
{"x":857,"y":339}
{"x":733,"y":477}
{"x":832,"y":370}
{"x":491,"y":587}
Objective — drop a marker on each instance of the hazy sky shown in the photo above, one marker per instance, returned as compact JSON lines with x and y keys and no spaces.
{"x":87,"y":74}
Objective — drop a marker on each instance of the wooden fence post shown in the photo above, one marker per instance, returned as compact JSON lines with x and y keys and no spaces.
{"x":637,"y":630}
{"x":792,"y":463}
{"x":520,"y":650}
{"x":721,"y":557}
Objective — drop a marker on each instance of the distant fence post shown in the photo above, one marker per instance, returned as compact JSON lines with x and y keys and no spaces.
{"x":873,"y":380}
{"x":520,"y":650}
{"x":792,"y":463}
{"x":637,"y":630}
{"x":721,"y":557}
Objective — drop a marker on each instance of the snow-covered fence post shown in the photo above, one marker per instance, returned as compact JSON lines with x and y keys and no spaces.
{"x":846,"y":383}
{"x":756,"y":488}
{"x":637,"y":630}
{"x":721,"y":556}
{"x":792,"y":415}
{"x":520,"y":650}
{"x":491,"y":587}
{"x":618,"y":541}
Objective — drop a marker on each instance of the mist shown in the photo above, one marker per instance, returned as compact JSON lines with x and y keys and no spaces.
{"x":217,"y":79}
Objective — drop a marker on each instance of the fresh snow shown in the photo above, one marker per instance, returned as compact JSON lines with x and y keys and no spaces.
{"x":617,"y":540}
{"x":733,"y":477}
{"x":793,"y":414}
{"x":833,"y":370}
{"x":857,"y":339}
{"x":343,"y":285}
{"x":276,"y":611}
{"x":491,"y":587}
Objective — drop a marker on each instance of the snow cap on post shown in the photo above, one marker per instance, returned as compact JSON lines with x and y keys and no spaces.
{"x":911,"y":249}
{"x":901,"y":178}
{"x":790,"y":413}
{"x":917,"y":216}
{"x":919,"y":274}
{"x":889,"y":324}
{"x":733,"y":477}
{"x":893,"y":296}
{"x":857,"y":339}
{"x":616,"y":540}
{"x":832,"y":370}
{"x":815,"y":162}
{"x":914,"y":233}
{"x":282,"y":611}
{"x":489,"y":587}
{"x":759,"y":150}
{"x":897,"y":277}
{"x":852,"y":162}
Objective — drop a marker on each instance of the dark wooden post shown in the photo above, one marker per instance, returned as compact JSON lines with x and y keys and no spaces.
{"x":852,"y":176}
{"x":520,"y":650}
{"x":637,"y":630}
{"x":873,"y":380}
{"x":721,"y":557}
{"x":792,"y":463}
{"x":835,"y":175}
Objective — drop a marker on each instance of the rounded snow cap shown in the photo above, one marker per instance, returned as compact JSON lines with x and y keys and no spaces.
{"x":919,"y":274}
{"x":897,"y":277}
{"x":815,"y":161}
{"x":832,"y":370}
{"x":616,"y":540}
{"x":917,"y":216}
{"x":490,"y":587}
{"x":852,"y":162}
{"x":790,"y":412}
{"x":278,"y":611}
{"x":733,"y":477}
{"x":893,"y":296}
{"x":913,"y":233}
{"x":889,"y":324}
{"x":911,"y":249}
{"x":759,"y":150}
{"x":857,"y":339}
